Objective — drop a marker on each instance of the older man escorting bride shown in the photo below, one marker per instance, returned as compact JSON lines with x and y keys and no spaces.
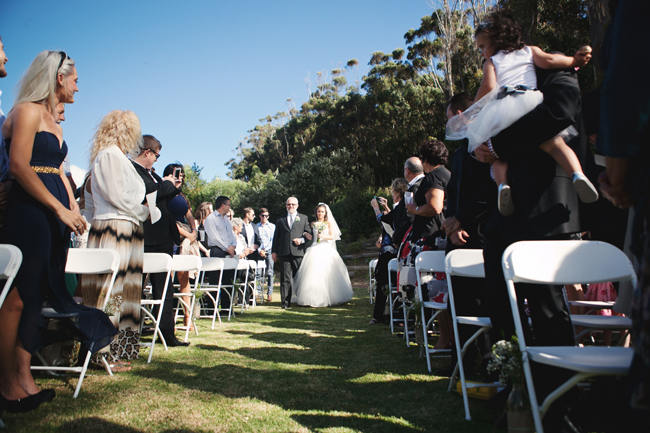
{"x":322,"y":279}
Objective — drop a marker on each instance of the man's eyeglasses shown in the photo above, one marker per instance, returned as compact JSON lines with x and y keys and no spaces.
{"x":265,"y":215}
{"x":292,"y":204}
{"x":157,"y":155}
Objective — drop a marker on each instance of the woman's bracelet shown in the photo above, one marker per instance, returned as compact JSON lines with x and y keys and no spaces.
{"x":489,"y":145}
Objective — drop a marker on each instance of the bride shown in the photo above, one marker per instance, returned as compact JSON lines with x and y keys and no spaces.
{"x":322,"y":278}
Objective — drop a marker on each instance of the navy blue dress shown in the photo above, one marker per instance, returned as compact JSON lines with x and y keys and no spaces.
{"x":43,"y":240}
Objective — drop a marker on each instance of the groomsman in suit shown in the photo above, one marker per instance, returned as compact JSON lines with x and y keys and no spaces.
{"x":251,"y":234}
{"x":161,"y":236}
{"x":292,"y":237}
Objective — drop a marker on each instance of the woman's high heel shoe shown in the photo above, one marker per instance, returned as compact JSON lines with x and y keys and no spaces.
{"x":20,"y":405}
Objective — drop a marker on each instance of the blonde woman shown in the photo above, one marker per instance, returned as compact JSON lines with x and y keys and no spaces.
{"x":117,"y":192}
{"x":39,"y":217}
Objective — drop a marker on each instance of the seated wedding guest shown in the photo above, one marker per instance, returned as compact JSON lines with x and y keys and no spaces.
{"x":221,"y":242}
{"x":116,"y":192}
{"x":395,"y":223}
{"x":231,"y":214}
{"x":180,"y":210}
{"x":202,"y":212}
{"x":159,"y":236}
{"x":250,"y":233}
{"x":242,"y":250}
{"x":40,"y":214}
{"x":266,"y":230}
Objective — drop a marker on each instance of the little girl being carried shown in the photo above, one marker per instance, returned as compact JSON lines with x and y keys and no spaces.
{"x":508,"y":91}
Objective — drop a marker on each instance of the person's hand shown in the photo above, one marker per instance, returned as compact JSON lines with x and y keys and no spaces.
{"x":307,"y":236}
{"x":374,"y":204}
{"x":74,"y":207}
{"x":231,"y":250}
{"x":450,"y":225}
{"x":297,"y":241}
{"x":274,"y":256}
{"x":192,"y":236}
{"x":483,"y":154}
{"x":459,"y":237}
{"x":410,"y":208}
{"x":73,"y":220}
{"x":262,"y":253}
{"x":174,"y":180}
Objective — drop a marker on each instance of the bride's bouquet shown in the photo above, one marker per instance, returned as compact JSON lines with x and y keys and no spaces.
{"x":320,"y":228}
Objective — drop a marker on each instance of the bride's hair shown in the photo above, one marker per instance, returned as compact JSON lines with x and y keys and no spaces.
{"x":316,"y":211}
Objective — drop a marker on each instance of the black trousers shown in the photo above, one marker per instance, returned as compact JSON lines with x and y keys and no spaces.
{"x":288,"y":268}
{"x":157,"y":286}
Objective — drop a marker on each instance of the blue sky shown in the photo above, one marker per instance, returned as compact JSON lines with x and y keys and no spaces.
{"x":198,"y":73}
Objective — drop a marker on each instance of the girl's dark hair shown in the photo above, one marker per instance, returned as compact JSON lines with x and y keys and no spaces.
{"x":434,"y":152}
{"x":169,"y":169}
{"x":503,"y":30}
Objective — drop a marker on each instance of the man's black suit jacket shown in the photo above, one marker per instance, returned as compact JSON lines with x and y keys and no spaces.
{"x":282,"y":239}
{"x":162,"y":235}
{"x":256,"y":235}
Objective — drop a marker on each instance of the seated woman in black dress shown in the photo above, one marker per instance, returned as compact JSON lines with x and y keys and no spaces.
{"x":40,"y":215}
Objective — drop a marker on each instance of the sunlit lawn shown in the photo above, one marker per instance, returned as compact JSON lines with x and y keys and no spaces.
{"x":268,"y":370}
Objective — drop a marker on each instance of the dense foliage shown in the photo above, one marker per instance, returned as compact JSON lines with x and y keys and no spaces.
{"x":347,"y":142}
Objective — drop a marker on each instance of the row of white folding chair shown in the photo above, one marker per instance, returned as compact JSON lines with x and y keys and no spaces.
{"x":372,"y":282}
{"x":232,"y":288}
{"x":394,"y":299}
{"x":186,"y":263}
{"x":429,"y":261}
{"x":565,"y":262}
{"x":86,"y":261}
{"x":155,"y":263}
{"x":586,"y":324}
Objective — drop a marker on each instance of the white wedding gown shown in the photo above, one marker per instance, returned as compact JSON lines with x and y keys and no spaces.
{"x":322,"y":279}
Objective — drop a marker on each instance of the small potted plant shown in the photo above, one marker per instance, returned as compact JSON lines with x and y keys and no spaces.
{"x":506,"y":362}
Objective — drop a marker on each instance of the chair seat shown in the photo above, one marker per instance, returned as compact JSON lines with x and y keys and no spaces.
{"x":590,"y":359}
{"x":151,"y":302}
{"x":435,"y":305}
{"x":475,"y":321}
{"x":601,"y":322}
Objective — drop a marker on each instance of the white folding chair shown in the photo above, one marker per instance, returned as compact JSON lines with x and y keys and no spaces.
{"x":252,"y":283}
{"x":241,"y":287}
{"x":155,"y":263}
{"x":429,"y":261}
{"x":465,"y":263}
{"x":186,"y":263}
{"x":10,"y":259}
{"x":565,"y":262}
{"x":261,"y":277}
{"x":212,"y":291}
{"x":85,"y":261}
{"x":372,"y":282}
{"x":230,"y":287}
{"x":393,"y":294}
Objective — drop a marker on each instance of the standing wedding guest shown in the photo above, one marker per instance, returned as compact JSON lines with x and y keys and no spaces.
{"x":291,"y":239}
{"x":251,"y":234}
{"x":181,"y":212}
{"x":117,"y":193}
{"x":159,"y":237}
{"x":39,"y":217}
{"x":4,"y":157}
{"x":266,"y":229}
{"x":221,"y":242}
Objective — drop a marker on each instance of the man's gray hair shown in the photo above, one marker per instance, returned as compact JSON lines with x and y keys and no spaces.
{"x":414,"y":165}
{"x":237,"y":222}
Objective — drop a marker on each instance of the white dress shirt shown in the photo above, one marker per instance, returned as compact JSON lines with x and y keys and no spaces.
{"x":218,"y":229}
{"x":250,"y":235}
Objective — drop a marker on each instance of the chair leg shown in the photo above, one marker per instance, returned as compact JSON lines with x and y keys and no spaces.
{"x":81,"y":375}
{"x":107,"y":366}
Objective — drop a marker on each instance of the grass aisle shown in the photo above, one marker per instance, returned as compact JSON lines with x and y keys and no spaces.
{"x":268,"y":370}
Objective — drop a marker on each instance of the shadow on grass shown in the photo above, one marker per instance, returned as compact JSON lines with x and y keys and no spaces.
{"x":98,"y":425}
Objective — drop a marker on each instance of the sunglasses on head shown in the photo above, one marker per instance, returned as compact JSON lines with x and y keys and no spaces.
{"x":64,"y":56}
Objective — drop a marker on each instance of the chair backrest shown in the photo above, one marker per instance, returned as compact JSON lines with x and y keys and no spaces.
{"x":211,"y":264}
{"x":465,"y":263}
{"x":186,"y":262}
{"x":261,"y":264}
{"x":566,"y":262}
{"x":372,"y":264}
{"x":154,"y":263}
{"x":230,"y":263}
{"x":92,"y":261}
{"x":430,"y":261}
{"x":393,"y":265}
{"x":242,"y":264}
{"x":10,"y":259}
{"x":252,"y":264}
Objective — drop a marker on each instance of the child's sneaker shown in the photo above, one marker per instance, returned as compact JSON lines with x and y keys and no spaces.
{"x":586,"y":190}
{"x":504,"y":201}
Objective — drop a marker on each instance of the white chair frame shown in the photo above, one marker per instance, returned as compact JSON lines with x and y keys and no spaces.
{"x":393,"y":294}
{"x":186,"y":263}
{"x":565,"y":262}
{"x":465,"y":263}
{"x":429,"y":261}
{"x":10,"y":259}
{"x":211,"y":264}
{"x":86,"y":261}
{"x":260,"y":276}
{"x":155,"y":263}
{"x":240,"y":287}
{"x":372,"y":282}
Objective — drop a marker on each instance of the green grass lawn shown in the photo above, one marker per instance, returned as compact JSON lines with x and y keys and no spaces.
{"x":268,"y":370}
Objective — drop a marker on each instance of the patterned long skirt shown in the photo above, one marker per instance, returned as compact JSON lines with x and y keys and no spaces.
{"x":124,"y":303}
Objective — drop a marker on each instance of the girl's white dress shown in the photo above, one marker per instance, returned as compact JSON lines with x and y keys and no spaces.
{"x":493,"y":113}
{"x":322,"y":279}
